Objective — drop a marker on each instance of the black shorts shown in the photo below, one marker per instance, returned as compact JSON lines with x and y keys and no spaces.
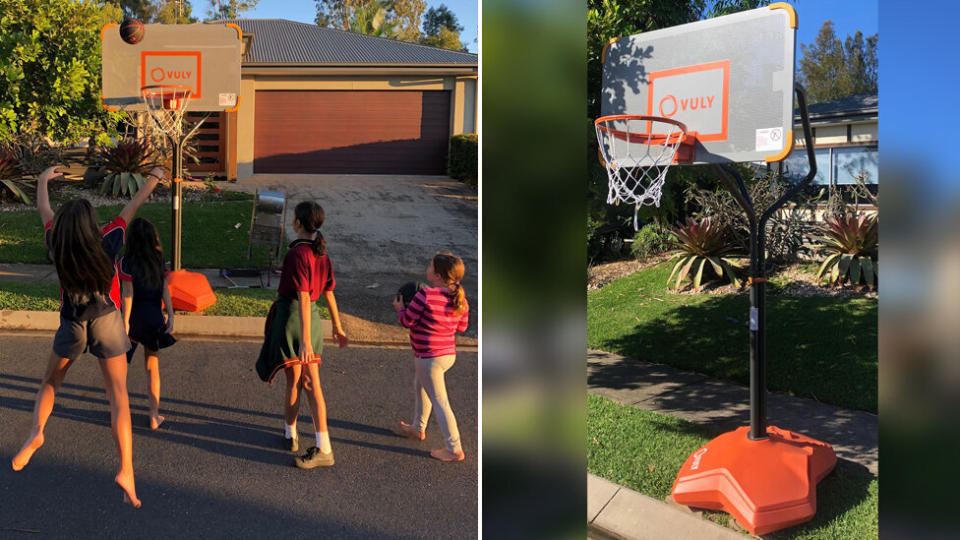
{"x":103,"y":337}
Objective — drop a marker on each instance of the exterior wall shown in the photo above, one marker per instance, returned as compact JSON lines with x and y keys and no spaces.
{"x":830,"y":135}
{"x":462,"y":99}
{"x":863,"y":132}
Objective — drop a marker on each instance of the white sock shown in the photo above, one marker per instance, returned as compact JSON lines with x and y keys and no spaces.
{"x":290,"y":430}
{"x":323,"y":442}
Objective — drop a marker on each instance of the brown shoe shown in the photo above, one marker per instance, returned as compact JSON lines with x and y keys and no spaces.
{"x":406,"y":430}
{"x":291,"y":445}
{"x":314,"y":458}
{"x":445,"y":455}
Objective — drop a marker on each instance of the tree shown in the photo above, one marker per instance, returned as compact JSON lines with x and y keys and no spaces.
{"x":229,"y":9}
{"x":403,"y":16}
{"x":441,"y":29}
{"x":174,"y":12}
{"x":831,"y":69}
{"x":50,"y":77}
{"x":142,"y":10}
{"x":371,"y":20}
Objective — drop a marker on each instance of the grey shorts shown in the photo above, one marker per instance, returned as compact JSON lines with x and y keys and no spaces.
{"x":103,"y":337}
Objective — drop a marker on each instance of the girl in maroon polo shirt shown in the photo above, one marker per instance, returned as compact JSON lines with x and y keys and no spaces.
{"x":294,"y":332}
{"x":85,"y":257}
{"x":433,"y":316}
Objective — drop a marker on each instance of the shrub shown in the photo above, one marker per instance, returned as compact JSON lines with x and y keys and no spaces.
{"x":125,"y":165}
{"x":851,"y":240}
{"x":699,"y":243}
{"x":463,"y":160}
{"x":10,"y":178}
{"x":651,"y":240}
{"x":24,"y":156}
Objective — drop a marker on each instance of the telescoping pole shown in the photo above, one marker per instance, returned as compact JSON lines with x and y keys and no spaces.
{"x":176,"y":195}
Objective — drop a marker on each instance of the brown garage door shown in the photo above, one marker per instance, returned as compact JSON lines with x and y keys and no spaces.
{"x":369,"y":132}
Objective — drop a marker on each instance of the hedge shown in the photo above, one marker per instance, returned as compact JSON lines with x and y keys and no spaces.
{"x":462,"y":163}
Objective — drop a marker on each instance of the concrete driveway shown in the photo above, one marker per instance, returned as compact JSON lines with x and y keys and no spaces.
{"x":383,"y":230}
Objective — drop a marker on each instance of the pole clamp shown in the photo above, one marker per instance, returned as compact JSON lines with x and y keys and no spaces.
{"x":752,"y":280}
{"x":177,"y":180}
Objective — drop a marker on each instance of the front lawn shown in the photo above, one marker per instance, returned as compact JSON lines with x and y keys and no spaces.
{"x":214,"y":233}
{"x":643,"y":450}
{"x":22,"y":296}
{"x":819,"y":347}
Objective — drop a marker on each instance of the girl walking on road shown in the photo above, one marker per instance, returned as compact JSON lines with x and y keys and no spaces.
{"x":433,"y":316}
{"x":85,"y":258}
{"x":294,"y":332}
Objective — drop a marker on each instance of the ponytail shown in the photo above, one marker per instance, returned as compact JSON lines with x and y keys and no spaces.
{"x":311,"y":216}
{"x":319,"y":244}
{"x":450,"y":268}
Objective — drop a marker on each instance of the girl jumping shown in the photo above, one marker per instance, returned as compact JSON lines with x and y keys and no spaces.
{"x":433,"y":316}
{"x":143,"y":286}
{"x":85,"y":258}
{"x":294,"y":332}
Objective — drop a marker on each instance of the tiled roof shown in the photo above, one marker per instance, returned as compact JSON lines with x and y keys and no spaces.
{"x":858,"y":104}
{"x":279,"y":41}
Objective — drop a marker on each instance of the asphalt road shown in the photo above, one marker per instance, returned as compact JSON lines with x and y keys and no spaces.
{"x":216,"y":469}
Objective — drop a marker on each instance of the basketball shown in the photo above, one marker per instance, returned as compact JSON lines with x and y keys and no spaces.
{"x":132,"y":31}
{"x":406,"y":292}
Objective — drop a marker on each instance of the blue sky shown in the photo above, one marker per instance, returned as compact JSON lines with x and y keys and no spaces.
{"x":306,"y":10}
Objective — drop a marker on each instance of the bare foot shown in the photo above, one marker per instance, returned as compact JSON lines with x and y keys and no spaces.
{"x":404,"y":429}
{"x":23,"y":456}
{"x":156,"y":421}
{"x":125,"y":482}
{"x":445,"y":455}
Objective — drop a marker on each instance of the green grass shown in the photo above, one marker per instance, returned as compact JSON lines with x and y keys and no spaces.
{"x":644,"y":450}
{"x":21,"y":296}
{"x":819,"y":347}
{"x":210,"y":237}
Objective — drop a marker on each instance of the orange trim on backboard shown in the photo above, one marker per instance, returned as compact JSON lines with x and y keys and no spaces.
{"x":103,"y":31}
{"x":785,"y":152}
{"x":237,"y":28}
{"x":143,"y":67}
{"x":603,"y":53}
{"x":789,"y":9}
{"x":103,"y":100}
{"x":235,"y":107}
{"x":722,"y":65}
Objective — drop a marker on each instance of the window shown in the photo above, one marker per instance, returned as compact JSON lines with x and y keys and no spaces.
{"x":835,"y":166}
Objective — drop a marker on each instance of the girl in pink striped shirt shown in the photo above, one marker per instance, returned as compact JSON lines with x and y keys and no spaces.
{"x":433,"y":316}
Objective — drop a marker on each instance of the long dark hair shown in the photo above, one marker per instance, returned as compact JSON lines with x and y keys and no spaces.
{"x":310,"y":215}
{"x":450,"y":269}
{"x":83,"y":267}
{"x":144,"y":251}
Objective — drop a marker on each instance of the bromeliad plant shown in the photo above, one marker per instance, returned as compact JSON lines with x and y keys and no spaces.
{"x":125,"y":165}
{"x":851,"y":240}
{"x":701,"y":248}
{"x":10,"y":177}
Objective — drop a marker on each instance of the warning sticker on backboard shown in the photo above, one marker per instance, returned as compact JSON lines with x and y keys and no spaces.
{"x":228,"y":100}
{"x":769,"y":139}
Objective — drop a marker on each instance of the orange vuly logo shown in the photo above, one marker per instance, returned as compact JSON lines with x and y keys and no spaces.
{"x":171,"y":67}
{"x":695,"y":95}
{"x":696,"y":458}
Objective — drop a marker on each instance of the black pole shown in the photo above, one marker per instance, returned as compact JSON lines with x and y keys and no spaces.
{"x":758,"y":279}
{"x":176,"y":195}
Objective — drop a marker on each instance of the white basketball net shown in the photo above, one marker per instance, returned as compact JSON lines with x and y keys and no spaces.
{"x":637,"y":151}
{"x":167,"y":105}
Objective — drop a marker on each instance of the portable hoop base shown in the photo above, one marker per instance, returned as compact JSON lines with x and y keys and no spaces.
{"x":766,"y":484}
{"x":190,"y":291}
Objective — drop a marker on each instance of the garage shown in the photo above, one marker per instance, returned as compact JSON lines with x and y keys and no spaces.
{"x":351,"y":131}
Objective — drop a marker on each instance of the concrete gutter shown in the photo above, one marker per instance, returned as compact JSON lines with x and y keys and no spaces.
{"x":360,"y":331}
{"x":619,"y":512}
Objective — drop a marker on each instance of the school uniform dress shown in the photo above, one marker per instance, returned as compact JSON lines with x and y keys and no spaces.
{"x":302,"y":270}
{"x":147,"y":325}
{"x":95,"y":326}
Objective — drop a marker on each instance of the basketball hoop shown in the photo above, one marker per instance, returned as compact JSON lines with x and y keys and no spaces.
{"x":167,"y":104}
{"x":637,"y":151}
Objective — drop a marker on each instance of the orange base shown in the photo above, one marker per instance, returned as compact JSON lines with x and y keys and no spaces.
{"x":767,"y":485}
{"x":190,"y":291}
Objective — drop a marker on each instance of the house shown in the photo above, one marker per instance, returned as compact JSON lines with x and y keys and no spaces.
{"x":845,"y":141}
{"x":324,"y":101}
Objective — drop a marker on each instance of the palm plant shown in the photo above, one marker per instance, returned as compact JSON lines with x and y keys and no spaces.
{"x":851,"y":239}
{"x":125,"y":165}
{"x":699,"y":243}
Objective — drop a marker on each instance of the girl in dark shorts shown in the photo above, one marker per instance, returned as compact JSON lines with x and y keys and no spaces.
{"x":85,"y":258}
{"x":293,"y":333}
{"x":143,"y":286}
